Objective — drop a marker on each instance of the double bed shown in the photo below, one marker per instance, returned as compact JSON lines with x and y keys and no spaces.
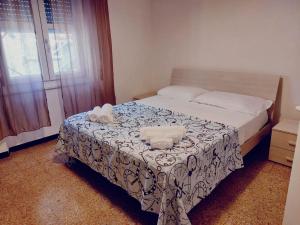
{"x":171,"y":182}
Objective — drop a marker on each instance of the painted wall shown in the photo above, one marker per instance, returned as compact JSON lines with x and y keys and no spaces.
{"x":131,"y":41}
{"x":261,"y":36}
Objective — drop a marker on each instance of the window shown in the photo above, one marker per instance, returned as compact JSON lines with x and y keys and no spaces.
{"x":60,"y":46}
{"x":58,"y":11}
{"x":46,"y":44}
{"x":20,"y":53}
{"x":20,"y":48}
{"x":12,"y":10}
{"x":58,"y":17}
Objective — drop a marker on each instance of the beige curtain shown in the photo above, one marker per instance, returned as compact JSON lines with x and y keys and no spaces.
{"x":23,"y":105}
{"x":87,"y":73}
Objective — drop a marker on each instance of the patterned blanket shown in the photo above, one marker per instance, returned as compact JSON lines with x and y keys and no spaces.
{"x":168,"y":182}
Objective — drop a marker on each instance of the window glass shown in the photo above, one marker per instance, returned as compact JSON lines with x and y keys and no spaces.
{"x":63,"y":52}
{"x":20,"y":53}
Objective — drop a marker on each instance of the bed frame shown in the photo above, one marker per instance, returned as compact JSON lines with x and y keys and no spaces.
{"x":260,"y":85}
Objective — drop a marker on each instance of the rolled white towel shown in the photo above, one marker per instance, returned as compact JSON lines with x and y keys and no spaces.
{"x":106,"y":115}
{"x":93,"y":114}
{"x":163,"y":128}
{"x":174,"y":132}
{"x":176,"y":136}
{"x":161,"y":143}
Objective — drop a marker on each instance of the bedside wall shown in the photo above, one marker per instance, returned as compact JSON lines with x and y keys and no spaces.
{"x":131,"y":33}
{"x":259,"y":36}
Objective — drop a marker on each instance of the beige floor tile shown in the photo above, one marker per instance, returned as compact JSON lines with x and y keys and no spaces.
{"x":37,"y":188}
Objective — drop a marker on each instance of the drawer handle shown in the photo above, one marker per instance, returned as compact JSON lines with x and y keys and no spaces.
{"x":289,"y":159}
{"x":292,"y":143}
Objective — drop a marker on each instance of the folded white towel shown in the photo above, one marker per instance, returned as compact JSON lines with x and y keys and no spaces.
{"x":101,"y":115}
{"x":161,"y":143}
{"x":106,"y":115}
{"x":93,"y":114}
{"x":174,"y":132}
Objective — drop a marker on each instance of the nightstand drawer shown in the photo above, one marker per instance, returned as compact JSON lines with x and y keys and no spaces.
{"x":282,"y":156}
{"x":283,"y":140}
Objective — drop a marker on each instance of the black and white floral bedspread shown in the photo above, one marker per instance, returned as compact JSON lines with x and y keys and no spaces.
{"x":168,"y":182}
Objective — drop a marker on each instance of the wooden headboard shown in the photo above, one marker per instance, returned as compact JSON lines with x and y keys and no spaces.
{"x":260,"y":85}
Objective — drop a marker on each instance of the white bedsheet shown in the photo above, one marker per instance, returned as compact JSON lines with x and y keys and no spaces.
{"x":246,"y":124}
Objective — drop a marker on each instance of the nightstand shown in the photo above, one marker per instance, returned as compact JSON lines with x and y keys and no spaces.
{"x":283,"y":142}
{"x":145,"y":95}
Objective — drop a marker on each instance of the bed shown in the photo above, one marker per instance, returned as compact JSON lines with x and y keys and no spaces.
{"x":171,"y":182}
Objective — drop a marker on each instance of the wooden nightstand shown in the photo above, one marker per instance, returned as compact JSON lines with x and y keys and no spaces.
{"x":283,"y":142}
{"x":145,"y":95}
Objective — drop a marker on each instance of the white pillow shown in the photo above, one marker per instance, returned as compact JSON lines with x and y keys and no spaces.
{"x":236,"y":102}
{"x":186,"y":93}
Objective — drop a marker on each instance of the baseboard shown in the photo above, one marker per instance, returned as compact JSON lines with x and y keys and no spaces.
{"x":4,"y":154}
{"x":32,"y":143}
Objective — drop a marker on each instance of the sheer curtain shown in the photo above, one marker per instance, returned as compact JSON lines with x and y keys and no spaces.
{"x":87,"y":73}
{"x":23,"y":105}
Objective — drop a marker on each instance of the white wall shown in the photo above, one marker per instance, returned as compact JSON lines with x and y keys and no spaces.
{"x":261,"y":36}
{"x":131,"y":41}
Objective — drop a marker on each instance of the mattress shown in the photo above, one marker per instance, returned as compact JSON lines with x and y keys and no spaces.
{"x":247,"y":124}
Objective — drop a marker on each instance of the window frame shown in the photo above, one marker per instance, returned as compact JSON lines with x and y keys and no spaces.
{"x":45,"y":41}
{"x":39,"y":41}
{"x":41,"y":30}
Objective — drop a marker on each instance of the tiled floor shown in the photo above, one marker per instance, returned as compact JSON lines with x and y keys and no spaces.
{"x":36,"y":188}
